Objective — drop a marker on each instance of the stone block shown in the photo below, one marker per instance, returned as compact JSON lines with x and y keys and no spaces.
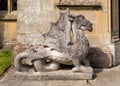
{"x":10,"y":32}
{"x":102,"y":23}
{"x":54,"y":75}
{"x":9,"y":46}
{"x":48,"y":5}
{"x":116,"y":60}
{"x":80,"y":2}
{"x":106,"y":38}
{"x":94,"y":38}
{"x":106,"y":77}
{"x":7,"y":33}
{"x":105,"y":5}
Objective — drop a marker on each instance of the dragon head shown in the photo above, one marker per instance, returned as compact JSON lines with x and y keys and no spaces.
{"x":79,"y":22}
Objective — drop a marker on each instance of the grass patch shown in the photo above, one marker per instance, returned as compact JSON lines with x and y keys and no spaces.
{"x":5,"y":60}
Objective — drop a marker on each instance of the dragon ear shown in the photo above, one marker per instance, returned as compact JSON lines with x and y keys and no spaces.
{"x":83,"y":16}
{"x":78,"y":16}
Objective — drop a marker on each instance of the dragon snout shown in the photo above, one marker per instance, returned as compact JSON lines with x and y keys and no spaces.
{"x":90,"y":27}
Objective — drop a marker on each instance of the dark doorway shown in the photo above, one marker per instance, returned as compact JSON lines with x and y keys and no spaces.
{"x":115,"y":29}
{"x":3,"y":5}
{"x":14,"y":5}
{"x":119,"y":18}
{"x":115,"y":19}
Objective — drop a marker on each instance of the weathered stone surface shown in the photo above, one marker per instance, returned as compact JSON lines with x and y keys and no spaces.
{"x":34,"y":16}
{"x":107,"y":77}
{"x":8,"y":34}
{"x":9,"y":79}
{"x":104,"y":77}
{"x":58,"y":47}
{"x":5,"y":15}
{"x":54,"y":75}
{"x":34,"y":19}
{"x":80,"y":2}
{"x":45,"y":83}
{"x":9,"y":46}
{"x":116,"y":59}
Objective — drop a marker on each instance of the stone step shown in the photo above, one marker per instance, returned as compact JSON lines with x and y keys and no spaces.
{"x":54,"y":75}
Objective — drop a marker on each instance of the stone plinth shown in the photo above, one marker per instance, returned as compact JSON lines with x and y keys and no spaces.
{"x":54,"y":75}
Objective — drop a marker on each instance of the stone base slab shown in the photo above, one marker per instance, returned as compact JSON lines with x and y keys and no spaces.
{"x":56,"y":75}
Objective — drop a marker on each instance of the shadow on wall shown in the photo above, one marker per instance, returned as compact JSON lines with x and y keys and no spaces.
{"x":99,"y":59}
{"x":1,"y":35}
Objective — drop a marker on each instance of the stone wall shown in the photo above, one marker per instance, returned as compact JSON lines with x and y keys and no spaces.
{"x":34,"y":17}
{"x":8,"y":34}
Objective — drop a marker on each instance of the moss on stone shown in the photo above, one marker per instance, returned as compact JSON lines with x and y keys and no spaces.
{"x":5,"y":60}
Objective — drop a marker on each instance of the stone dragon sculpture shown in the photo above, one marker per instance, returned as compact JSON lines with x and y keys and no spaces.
{"x":59,"y":47}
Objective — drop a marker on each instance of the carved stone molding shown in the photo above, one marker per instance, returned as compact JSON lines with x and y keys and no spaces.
{"x":8,"y":16}
{"x":80,"y":4}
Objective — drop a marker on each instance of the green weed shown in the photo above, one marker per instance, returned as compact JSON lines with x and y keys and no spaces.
{"x":5,"y":60}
